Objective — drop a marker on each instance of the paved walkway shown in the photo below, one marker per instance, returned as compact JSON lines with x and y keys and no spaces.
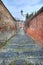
{"x":21,"y":46}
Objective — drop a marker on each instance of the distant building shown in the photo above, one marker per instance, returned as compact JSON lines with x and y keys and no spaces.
{"x":20,"y":24}
{"x":34,"y":26}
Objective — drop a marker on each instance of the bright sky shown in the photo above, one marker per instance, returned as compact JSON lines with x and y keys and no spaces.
{"x":15,"y":6}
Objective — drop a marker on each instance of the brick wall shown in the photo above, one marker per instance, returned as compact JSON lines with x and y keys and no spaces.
{"x":35,"y":30}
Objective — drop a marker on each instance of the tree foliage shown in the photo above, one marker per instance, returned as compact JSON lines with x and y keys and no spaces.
{"x":21,"y":12}
{"x":28,"y":16}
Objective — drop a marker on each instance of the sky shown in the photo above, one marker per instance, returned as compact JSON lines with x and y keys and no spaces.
{"x":28,"y":6}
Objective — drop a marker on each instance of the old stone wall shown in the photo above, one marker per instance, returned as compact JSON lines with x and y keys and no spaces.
{"x":8,"y":25}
